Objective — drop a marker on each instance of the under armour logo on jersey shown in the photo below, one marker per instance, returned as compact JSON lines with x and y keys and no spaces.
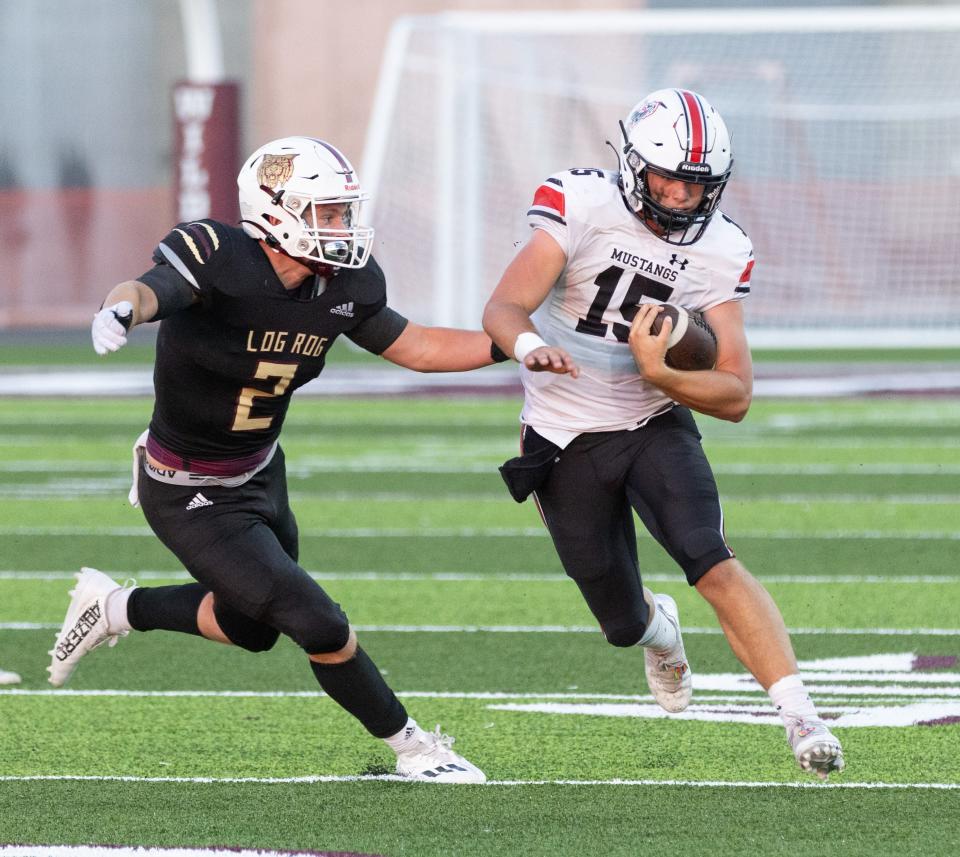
{"x":675,"y":260}
{"x":198,"y":501}
{"x":344,"y":309}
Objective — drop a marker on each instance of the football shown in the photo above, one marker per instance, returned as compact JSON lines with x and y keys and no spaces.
{"x":692,"y":344}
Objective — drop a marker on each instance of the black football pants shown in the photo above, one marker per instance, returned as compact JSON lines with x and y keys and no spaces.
{"x":588,"y":499}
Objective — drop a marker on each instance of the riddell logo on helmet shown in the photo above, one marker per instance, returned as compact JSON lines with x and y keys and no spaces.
{"x":354,"y":186}
{"x":701,"y":169}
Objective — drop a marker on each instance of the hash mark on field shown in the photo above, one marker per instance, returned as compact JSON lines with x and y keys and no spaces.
{"x":394,"y":778}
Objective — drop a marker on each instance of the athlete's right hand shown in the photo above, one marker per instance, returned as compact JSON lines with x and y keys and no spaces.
{"x":549,"y":358}
{"x":110,"y":326}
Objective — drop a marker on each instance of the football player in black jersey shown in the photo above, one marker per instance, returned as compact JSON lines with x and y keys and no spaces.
{"x":249,"y":315}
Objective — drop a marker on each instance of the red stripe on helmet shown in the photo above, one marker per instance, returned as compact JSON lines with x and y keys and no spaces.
{"x":696,"y":127}
{"x":550,"y":197}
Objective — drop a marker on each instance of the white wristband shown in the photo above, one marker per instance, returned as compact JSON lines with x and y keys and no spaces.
{"x":526,"y":342}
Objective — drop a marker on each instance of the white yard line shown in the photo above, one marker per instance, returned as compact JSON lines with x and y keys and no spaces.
{"x":481,"y":532}
{"x":313,"y":779}
{"x":371,"y":381}
{"x":534,"y":577}
{"x":711,"y":690}
{"x":569,"y":629}
{"x":305,"y":465}
{"x":78,"y":488}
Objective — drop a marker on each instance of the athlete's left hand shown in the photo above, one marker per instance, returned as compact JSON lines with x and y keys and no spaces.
{"x":110,"y":326}
{"x":649,"y":352}
{"x":549,"y":358}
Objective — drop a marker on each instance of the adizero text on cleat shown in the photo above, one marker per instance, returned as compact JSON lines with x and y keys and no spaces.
{"x":432,"y":760}
{"x":668,"y":672}
{"x":85,"y":626}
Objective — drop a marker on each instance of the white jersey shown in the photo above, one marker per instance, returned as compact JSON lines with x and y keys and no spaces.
{"x":614,"y":263}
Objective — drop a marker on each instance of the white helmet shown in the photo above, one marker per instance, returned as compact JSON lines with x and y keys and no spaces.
{"x":281,"y":184}
{"x":675,"y":133}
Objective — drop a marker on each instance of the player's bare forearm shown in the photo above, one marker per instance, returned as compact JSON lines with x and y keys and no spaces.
{"x":504,"y":321}
{"x":141,"y":298}
{"x":509,"y":325}
{"x":715,"y":392}
{"x":440,"y":349}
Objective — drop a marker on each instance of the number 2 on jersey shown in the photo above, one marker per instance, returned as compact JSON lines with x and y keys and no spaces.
{"x":242,"y":421}
{"x":607,"y":282}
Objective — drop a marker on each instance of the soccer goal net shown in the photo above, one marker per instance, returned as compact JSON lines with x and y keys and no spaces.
{"x":844,"y":125}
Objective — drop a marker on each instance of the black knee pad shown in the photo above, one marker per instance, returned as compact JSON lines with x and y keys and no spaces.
{"x":624,"y":635}
{"x":245,"y":632}
{"x":309,"y":617}
{"x":325,"y":636}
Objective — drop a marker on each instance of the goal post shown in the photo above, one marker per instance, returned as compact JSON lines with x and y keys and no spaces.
{"x":842,"y":119}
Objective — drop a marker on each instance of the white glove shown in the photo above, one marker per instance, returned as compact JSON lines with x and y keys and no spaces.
{"x":110,"y":325}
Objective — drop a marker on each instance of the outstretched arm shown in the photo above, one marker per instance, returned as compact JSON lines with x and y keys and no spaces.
{"x":126,"y":305}
{"x":522,"y":288}
{"x":439,"y":349}
{"x":134,"y":302}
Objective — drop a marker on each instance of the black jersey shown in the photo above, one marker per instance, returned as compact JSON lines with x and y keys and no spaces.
{"x":227,"y":366}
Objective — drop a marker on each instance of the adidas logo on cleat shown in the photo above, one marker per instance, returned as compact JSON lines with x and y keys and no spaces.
{"x":198,"y":501}
{"x":343,"y":309}
{"x":443,"y":769}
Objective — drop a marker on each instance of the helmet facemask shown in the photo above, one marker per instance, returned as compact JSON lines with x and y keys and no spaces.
{"x":343,"y":246}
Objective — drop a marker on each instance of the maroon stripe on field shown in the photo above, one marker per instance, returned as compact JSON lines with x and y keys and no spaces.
{"x":933,"y":662}
{"x":952,"y":720}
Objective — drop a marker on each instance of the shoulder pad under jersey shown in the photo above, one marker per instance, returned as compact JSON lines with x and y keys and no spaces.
{"x":196,"y":250}
{"x":572,"y":191}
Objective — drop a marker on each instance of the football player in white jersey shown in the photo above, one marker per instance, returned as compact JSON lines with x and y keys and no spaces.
{"x":607,"y":425}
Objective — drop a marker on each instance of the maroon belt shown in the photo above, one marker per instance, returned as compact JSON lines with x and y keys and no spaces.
{"x":223,"y":468}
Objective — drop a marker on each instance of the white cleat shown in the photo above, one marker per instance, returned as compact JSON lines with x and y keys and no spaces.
{"x":668,"y":673}
{"x":9,"y":677}
{"x":816,"y":749}
{"x":432,"y":760}
{"x":85,"y":626}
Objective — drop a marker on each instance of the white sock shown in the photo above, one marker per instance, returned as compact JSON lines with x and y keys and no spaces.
{"x":405,"y":738}
{"x":116,"y":607}
{"x":791,"y":699}
{"x":660,"y":634}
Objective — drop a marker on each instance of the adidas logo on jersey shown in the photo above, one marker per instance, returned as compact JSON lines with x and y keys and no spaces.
{"x":198,"y":501}
{"x":344,"y":309}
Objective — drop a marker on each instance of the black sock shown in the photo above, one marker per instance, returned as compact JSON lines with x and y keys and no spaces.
{"x":166,"y":608}
{"x":357,"y":686}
